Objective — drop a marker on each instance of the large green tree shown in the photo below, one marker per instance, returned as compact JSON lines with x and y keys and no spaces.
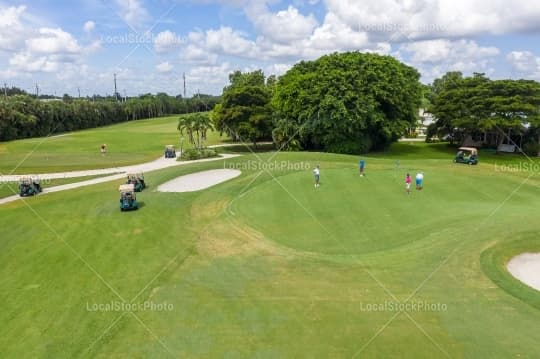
{"x":347,"y":103}
{"x":245,"y":111}
{"x":465,"y":105}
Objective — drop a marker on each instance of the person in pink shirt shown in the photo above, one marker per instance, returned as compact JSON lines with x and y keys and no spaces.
{"x":408,"y":184}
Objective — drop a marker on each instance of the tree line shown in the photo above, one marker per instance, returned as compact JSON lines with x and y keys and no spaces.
{"x":24,"y":116}
{"x":354,"y":103}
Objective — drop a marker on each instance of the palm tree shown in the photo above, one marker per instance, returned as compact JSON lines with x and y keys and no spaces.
{"x":196,"y":125}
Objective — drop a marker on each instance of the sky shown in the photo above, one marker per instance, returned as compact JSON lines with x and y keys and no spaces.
{"x":71,"y":46}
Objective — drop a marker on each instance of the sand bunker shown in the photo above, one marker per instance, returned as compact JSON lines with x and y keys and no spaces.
{"x":198,"y":181}
{"x":526,"y":268}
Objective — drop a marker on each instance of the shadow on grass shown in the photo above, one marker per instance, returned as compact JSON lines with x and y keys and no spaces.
{"x":244,"y":148}
{"x":418,"y":150}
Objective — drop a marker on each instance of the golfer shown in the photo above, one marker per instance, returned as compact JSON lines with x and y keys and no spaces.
{"x":362,"y":165}
{"x":316,"y":175}
{"x":103,"y":149}
{"x":408,"y":184}
{"x":419,"y":180}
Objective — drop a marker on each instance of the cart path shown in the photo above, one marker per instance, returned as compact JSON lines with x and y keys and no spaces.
{"x":158,"y":164}
{"x":116,"y":173}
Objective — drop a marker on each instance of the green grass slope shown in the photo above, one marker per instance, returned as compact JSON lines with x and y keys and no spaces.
{"x":127,"y":143}
{"x":267,"y":266}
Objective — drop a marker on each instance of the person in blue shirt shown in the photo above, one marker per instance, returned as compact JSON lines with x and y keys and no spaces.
{"x":362,"y":165}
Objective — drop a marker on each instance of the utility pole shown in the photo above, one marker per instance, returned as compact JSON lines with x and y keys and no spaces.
{"x":184,"y":76}
{"x":115,"y":88}
{"x":125,"y":95}
{"x":5,"y":90}
{"x":37,"y":91}
{"x":79,"y":90}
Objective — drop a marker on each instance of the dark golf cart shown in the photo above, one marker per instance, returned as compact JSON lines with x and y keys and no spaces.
{"x":467,"y":155}
{"x":29,"y":186}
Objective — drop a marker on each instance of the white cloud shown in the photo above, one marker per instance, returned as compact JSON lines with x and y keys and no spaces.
{"x":73,"y":71}
{"x":164,"y":67}
{"x":227,"y":41}
{"x":167,"y":41}
{"x":49,"y":50}
{"x":28,"y":62}
{"x":193,"y":54}
{"x":133,"y":12}
{"x":284,"y":26}
{"x":397,"y":20}
{"x":334,"y":34}
{"x":89,"y":26}
{"x":209,"y":79}
{"x":435,"y":57}
{"x":12,"y":31}
{"x":525,"y":62}
{"x":442,"y":50}
{"x":53,"y":41}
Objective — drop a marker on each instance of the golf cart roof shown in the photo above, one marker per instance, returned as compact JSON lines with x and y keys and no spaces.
{"x":468,"y":149}
{"x":170,"y":146}
{"x":28,"y":180}
{"x":127,"y":188}
{"x":136,"y":175}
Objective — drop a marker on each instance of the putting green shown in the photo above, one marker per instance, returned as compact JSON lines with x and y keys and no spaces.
{"x":352,"y":214}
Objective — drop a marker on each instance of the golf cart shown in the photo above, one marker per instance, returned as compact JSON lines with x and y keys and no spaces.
{"x":137,"y":180}
{"x":128,"y":200}
{"x":170,"y":152}
{"x":467,"y":155}
{"x":29,"y":186}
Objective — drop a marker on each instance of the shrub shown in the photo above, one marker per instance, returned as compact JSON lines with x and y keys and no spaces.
{"x":195,"y":154}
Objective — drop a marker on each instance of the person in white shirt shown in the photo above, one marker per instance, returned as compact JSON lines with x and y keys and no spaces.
{"x":419,"y":180}
{"x":317,"y":175}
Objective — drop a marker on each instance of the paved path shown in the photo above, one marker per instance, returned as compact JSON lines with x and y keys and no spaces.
{"x":115,"y":174}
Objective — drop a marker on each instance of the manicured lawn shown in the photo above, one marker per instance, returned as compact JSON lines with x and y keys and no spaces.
{"x":127,"y":143}
{"x":271,"y":267}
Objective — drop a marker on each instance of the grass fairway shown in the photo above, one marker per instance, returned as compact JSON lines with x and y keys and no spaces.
{"x":267,"y":266}
{"x":127,"y":143}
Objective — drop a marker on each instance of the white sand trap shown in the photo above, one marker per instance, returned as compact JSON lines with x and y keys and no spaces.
{"x":198,"y":181}
{"x":526,"y":268}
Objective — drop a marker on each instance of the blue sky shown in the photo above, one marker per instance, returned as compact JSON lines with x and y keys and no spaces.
{"x":64,"y":46}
